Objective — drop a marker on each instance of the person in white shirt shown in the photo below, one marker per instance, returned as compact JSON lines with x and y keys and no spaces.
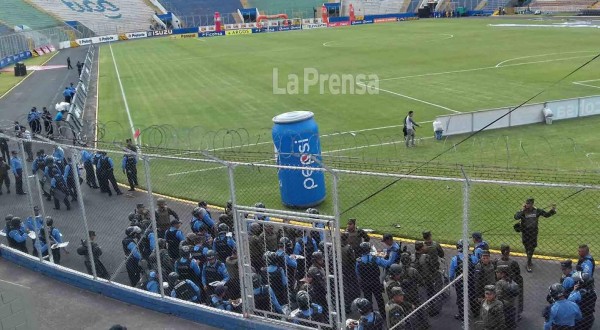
{"x":438,"y":129}
{"x":409,"y":126}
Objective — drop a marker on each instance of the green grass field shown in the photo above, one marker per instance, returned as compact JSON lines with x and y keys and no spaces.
{"x":199,"y":89}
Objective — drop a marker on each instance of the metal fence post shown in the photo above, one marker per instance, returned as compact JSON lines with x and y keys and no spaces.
{"x":154,"y":228}
{"x":25,"y":177}
{"x":75,"y":172}
{"x":338,"y":252}
{"x":465,"y":250}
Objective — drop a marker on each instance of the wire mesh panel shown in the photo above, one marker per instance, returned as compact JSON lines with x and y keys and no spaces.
{"x":289,"y":266}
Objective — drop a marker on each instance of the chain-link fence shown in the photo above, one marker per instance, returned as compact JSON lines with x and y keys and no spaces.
{"x":217,"y":233}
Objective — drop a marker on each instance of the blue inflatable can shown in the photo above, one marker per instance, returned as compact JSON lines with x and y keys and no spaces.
{"x":297,"y":143}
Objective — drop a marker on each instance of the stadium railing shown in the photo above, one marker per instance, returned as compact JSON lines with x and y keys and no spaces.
{"x":452,"y":208}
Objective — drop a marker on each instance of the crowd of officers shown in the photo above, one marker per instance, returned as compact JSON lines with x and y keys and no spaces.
{"x":292,"y":267}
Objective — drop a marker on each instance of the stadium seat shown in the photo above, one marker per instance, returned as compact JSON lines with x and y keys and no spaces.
{"x":109,"y":17}
{"x":293,"y":8}
{"x":561,"y":5}
{"x":19,"y":12}
{"x":492,"y":5}
{"x":201,"y":12}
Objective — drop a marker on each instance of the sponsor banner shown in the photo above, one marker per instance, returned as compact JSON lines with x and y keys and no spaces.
{"x":15,"y":58}
{"x":206,"y":28}
{"x":109,"y":38}
{"x":211,"y":34}
{"x":84,"y":41}
{"x":414,"y":18}
{"x":184,"y":36}
{"x":312,"y":21}
{"x":280,"y":28}
{"x":136,"y":35}
{"x":313,"y":26}
{"x":385,"y":20}
{"x":360,"y":22}
{"x":159,"y":33}
{"x":186,"y":30}
{"x":238,"y":32}
{"x":336,"y":24}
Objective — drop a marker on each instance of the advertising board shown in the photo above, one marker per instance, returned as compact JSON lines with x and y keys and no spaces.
{"x":336,"y":24}
{"x":313,"y":26}
{"x":159,"y":33}
{"x":136,"y":35}
{"x":238,"y":32}
{"x":211,"y":34}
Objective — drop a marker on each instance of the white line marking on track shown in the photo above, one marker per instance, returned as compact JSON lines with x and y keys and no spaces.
{"x":122,"y":90}
{"x":586,"y":85}
{"x":447,"y":36}
{"x":542,"y":55}
{"x":412,"y":98}
{"x":17,"y":284}
{"x":370,"y":145}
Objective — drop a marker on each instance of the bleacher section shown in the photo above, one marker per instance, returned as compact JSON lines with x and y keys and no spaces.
{"x":413,"y":6}
{"x":561,"y":5}
{"x":4,"y":30}
{"x":204,"y":10}
{"x":294,"y":8}
{"x":110,"y":17}
{"x":373,"y":7}
{"x":18,"y":12}
{"x":494,"y":4}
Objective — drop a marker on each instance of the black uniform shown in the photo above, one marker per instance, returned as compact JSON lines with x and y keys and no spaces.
{"x":529,"y":228}
{"x":96,"y":253}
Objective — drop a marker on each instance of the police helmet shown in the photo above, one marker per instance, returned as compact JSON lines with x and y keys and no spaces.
{"x":229,"y":204}
{"x":256,"y":280}
{"x":395,"y":269}
{"x":161,"y":201}
{"x":397,"y":291}
{"x":9,"y":217}
{"x":419,"y":245}
{"x":40,"y":152}
{"x":460,"y":244}
{"x":145,"y":225}
{"x":152,"y":274}
{"x":556,"y":291}
{"x":322,"y":246}
{"x":49,"y":160}
{"x":312,"y":211}
{"x":303,"y":299}
{"x":184,"y":251}
{"x":223,"y":218}
{"x":131,"y":217}
{"x":284,"y":242}
{"x":504,"y":248}
{"x":363,"y":305}
{"x":55,"y":172}
{"x":255,"y":228}
{"x":259,"y":205}
{"x":211,"y":254}
{"x":317,"y":255}
{"x":364,"y":248}
{"x":15,"y":222}
{"x":405,"y":258}
{"x":133,"y":230}
{"x":223,"y":228}
{"x":49,"y":221}
{"x":581,"y":277}
{"x":196,"y":211}
{"x":202,"y":204}
{"x":270,"y":257}
{"x":173,"y":278}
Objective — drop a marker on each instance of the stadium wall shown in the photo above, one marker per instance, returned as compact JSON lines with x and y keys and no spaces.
{"x":463,"y":123}
{"x":189,"y":311}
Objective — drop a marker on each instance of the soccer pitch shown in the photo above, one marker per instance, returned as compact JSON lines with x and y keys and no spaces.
{"x":201,"y":87}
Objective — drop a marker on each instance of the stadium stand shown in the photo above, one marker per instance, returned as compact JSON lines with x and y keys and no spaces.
{"x":370,"y":7}
{"x":4,"y":30}
{"x":413,"y":6}
{"x":559,"y":5}
{"x":203,"y":10}
{"x":115,"y":16}
{"x":18,"y":12}
{"x":492,"y":4}
{"x":295,"y":8}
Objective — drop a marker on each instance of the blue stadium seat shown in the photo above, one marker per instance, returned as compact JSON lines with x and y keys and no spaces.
{"x":19,"y":12}
{"x":203,"y":9}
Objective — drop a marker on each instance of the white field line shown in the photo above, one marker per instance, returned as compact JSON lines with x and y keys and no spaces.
{"x":482,"y":68}
{"x":322,"y":136}
{"x":410,"y":98}
{"x":532,"y":56}
{"x":581,"y":83}
{"x":447,"y":36}
{"x":122,"y":90}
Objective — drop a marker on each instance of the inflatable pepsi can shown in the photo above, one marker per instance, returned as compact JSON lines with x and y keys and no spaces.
{"x":296,"y":140}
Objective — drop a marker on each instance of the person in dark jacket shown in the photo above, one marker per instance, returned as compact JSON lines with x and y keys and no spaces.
{"x":529,"y":218}
{"x":4,"y":178}
{"x":96,"y":253}
{"x":129,"y":167}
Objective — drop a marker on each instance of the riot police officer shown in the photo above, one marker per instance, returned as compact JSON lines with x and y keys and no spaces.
{"x":566,"y":278}
{"x":17,"y":236}
{"x":351,"y":288}
{"x":514,"y":273}
{"x":369,"y":320}
{"x":201,"y":219}
{"x":456,"y":268}
{"x":223,"y":244}
{"x":491,"y":310}
{"x":397,"y":309}
{"x":484,"y":275}
{"x":186,"y":267}
{"x":276,"y":276}
{"x":213,"y":271}
{"x":307,"y":310}
{"x":563,"y":313}
{"x":585,"y":297}
{"x":264,"y":297}
{"x":368,"y":274}
{"x":184,"y":289}
{"x":586,"y":262}
{"x":132,"y":254}
{"x":506,"y":291}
